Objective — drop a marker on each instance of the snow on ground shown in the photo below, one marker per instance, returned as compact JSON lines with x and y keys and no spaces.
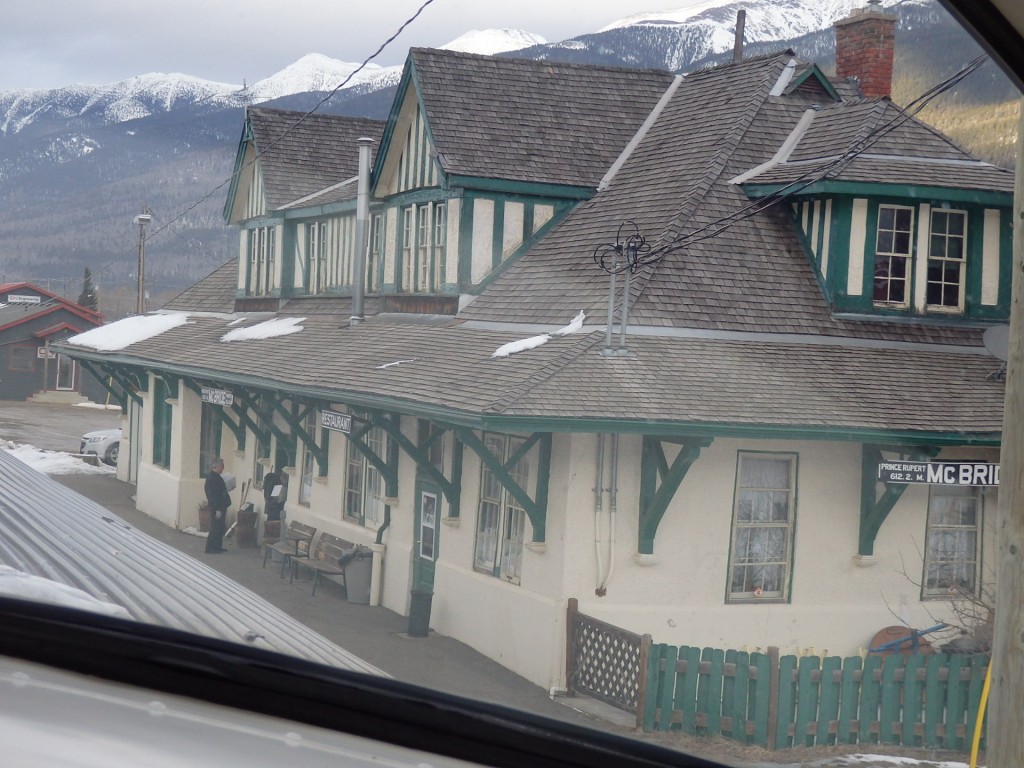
{"x":53,"y":462}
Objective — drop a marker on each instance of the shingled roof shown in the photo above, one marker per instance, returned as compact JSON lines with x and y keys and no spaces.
{"x":303,"y":154}
{"x":214,"y":293}
{"x":532,"y":121}
{"x":750,"y":276}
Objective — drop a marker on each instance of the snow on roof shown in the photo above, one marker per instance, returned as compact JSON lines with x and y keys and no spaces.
{"x":25,"y":586}
{"x":123,"y":333}
{"x":268,"y":329}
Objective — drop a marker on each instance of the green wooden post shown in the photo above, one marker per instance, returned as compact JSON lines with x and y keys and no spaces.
{"x":934,"y":698}
{"x":848,"y":698}
{"x":686,"y":694}
{"x":891,"y":690}
{"x":762,"y":704}
{"x":654,"y":683}
{"x":869,"y":693}
{"x":787,"y":702}
{"x":702,"y":690}
{"x":955,"y":708}
{"x":729,"y":693}
{"x":740,"y":691}
{"x":912,"y":704}
{"x":667,"y":685}
{"x":715,"y":691}
{"x":806,"y":700}
{"x":828,"y":709}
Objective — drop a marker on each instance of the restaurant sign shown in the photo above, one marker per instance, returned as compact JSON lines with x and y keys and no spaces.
{"x":939,"y":472}
{"x":339,"y":422}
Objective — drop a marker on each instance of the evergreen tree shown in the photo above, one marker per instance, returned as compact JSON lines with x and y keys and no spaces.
{"x":89,"y":298}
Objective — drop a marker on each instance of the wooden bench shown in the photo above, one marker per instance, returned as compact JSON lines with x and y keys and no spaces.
{"x":326,"y":559}
{"x":294,"y":546}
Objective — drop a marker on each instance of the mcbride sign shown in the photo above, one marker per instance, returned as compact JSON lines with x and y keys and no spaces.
{"x":216,"y":396}
{"x":939,"y":472}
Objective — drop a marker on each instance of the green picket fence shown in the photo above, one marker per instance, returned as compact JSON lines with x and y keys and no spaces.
{"x":778,"y":702}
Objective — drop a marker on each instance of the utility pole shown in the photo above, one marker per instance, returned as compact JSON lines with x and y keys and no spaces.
{"x":1006,"y":702}
{"x":142,"y":220}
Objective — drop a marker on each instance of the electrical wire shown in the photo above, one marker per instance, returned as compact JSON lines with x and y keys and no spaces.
{"x":716,"y":227}
{"x":380,"y":49}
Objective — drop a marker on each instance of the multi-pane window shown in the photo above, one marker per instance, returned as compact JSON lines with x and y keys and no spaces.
{"x":209,"y":436}
{"x":761,"y":555}
{"x":23,"y":358}
{"x":947,"y":267}
{"x":373,"y":256}
{"x":316,"y":257}
{"x":501,"y":520}
{"x":424,"y":229}
{"x":364,"y":485}
{"x":161,"y":424}
{"x":893,"y":251}
{"x":308,"y":463}
{"x":953,"y":541}
{"x":262,"y":261}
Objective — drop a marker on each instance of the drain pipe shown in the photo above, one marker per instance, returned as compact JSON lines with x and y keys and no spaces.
{"x":613,"y":493}
{"x":362,"y":222}
{"x":598,"y":510}
{"x":377,"y":563}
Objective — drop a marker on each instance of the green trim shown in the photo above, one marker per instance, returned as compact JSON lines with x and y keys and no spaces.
{"x":387,"y":466}
{"x":452,"y":489}
{"x":536,"y":508}
{"x":339,"y":208}
{"x":243,"y":143}
{"x":813,"y":71}
{"x":874,"y":189}
{"x":874,"y":509}
{"x":532,"y":189}
{"x":654,"y":500}
{"x":513,"y":424}
{"x":238,"y":430}
{"x":121,"y":395}
{"x":498,"y":233}
{"x":465,"y":258}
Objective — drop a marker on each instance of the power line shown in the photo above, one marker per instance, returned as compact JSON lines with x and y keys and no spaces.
{"x":271,"y":145}
{"x":716,"y":227}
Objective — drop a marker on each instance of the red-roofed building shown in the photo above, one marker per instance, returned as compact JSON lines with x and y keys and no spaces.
{"x":31,"y":318}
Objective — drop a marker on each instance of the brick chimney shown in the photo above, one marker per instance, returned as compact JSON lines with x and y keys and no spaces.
{"x":866,"y":49}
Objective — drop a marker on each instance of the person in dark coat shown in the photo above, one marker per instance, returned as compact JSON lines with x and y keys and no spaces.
{"x":218,"y":499}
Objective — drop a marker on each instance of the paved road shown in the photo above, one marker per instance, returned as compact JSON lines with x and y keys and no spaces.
{"x":52,"y":426}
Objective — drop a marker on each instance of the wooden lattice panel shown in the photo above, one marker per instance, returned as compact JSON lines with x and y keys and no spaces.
{"x":606,"y":662}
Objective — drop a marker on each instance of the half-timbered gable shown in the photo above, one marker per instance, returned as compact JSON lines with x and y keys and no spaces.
{"x":294,"y":196}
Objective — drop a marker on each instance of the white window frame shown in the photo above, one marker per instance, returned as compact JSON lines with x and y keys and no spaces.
{"x":952,"y":552}
{"x":758,"y":523}
{"x":888,"y":254}
{"x":364,"y":484}
{"x":438,"y":246}
{"x":408,"y":247}
{"x":262,"y":248}
{"x":942,"y":241}
{"x":501,"y":520}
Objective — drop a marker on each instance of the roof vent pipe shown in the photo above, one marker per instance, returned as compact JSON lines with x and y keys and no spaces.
{"x":362,"y":222}
{"x":737,"y":48}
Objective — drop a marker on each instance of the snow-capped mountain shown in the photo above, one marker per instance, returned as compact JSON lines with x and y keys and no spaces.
{"x":157,"y":93}
{"x":493,"y":41}
{"x":77,"y":162}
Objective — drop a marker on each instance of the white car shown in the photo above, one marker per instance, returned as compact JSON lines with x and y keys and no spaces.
{"x":104,"y":443}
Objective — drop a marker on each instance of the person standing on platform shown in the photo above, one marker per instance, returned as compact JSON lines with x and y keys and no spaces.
{"x":218,"y":499}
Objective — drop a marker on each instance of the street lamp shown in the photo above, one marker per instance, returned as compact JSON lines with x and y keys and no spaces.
{"x":142,"y":220}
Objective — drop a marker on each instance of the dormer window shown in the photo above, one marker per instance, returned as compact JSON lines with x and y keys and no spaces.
{"x":423,"y":247}
{"x":947,"y":266}
{"x":262,"y":261}
{"x":893,"y":253}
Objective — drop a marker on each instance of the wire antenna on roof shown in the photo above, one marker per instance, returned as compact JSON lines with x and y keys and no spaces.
{"x":624,"y":256}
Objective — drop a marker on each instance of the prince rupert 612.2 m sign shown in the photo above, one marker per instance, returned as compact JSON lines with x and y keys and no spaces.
{"x":939,"y":472}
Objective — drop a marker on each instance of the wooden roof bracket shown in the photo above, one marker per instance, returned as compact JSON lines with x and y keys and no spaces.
{"x":654,"y":499}
{"x":874,"y":509}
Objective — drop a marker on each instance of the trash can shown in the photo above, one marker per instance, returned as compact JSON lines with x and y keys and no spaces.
{"x":358,"y":564}
{"x":246,"y":525}
{"x":419,"y":612}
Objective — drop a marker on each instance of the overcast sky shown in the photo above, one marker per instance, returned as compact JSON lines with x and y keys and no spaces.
{"x":50,"y":43}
